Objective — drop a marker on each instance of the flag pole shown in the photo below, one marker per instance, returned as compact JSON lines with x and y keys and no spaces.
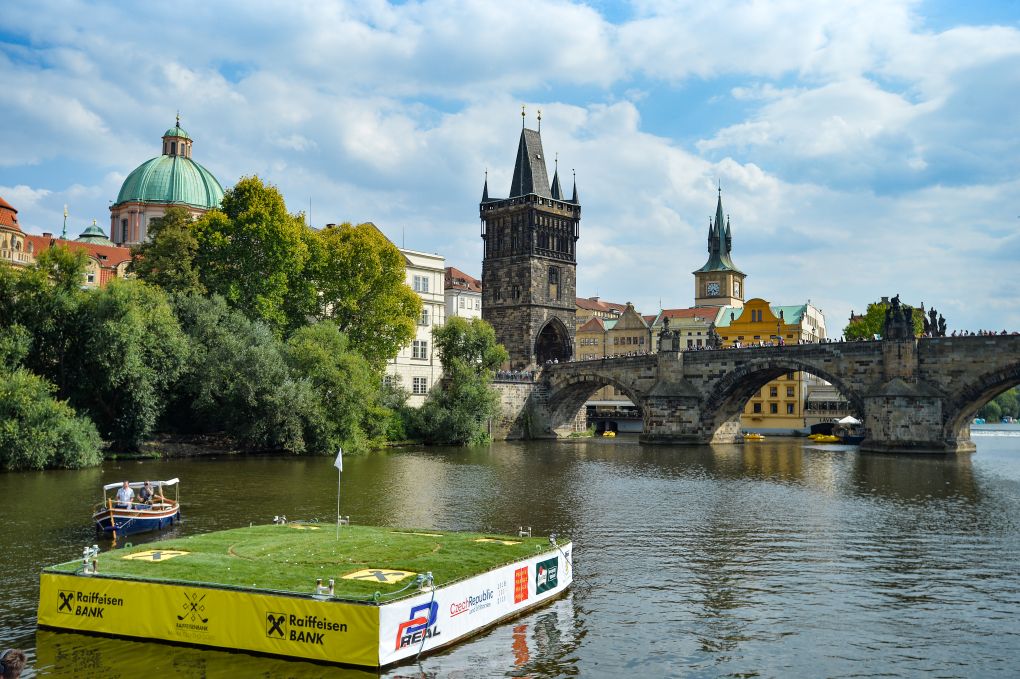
{"x":339,"y":464}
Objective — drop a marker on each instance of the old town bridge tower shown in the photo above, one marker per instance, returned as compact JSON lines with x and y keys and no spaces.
{"x":529,"y":261}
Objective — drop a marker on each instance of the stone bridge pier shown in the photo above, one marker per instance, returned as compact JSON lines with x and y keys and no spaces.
{"x":913,"y":395}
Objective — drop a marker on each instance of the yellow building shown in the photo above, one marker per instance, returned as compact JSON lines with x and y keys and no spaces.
{"x":586,"y":308}
{"x":779,"y":405}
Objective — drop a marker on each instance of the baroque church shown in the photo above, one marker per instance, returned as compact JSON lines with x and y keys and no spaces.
{"x":529,"y":261}
{"x":170,"y":179}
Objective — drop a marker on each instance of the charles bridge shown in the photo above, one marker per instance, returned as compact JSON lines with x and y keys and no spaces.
{"x":914,"y":395}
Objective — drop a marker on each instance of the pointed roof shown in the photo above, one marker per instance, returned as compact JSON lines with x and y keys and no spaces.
{"x":94,"y":234}
{"x":574,"y":198}
{"x":455,"y":279}
{"x":720,"y":243}
{"x":555,"y":190}
{"x":485,"y":189}
{"x":530,"y":173}
{"x":593,"y":324}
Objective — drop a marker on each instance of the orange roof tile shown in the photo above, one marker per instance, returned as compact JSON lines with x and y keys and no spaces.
{"x":593,"y":324}
{"x":594,"y":304}
{"x":455,"y":279}
{"x":106,"y":255}
{"x":8,"y":215}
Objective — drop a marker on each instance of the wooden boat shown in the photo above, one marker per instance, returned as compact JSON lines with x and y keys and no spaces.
{"x":128,"y":518}
{"x":753,"y":437}
{"x":824,"y":438}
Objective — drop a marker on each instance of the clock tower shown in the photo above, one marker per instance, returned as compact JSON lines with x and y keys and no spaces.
{"x":719,"y":283}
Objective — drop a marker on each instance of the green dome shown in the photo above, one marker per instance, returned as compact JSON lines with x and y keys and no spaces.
{"x":94,"y":234}
{"x":176,"y":132}
{"x":171,"y":180}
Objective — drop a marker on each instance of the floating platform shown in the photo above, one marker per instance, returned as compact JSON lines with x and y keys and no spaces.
{"x":266,"y":589}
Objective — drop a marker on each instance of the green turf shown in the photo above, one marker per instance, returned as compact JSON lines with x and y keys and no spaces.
{"x":290,"y":557}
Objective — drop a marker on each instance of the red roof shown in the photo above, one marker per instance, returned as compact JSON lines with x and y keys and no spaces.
{"x":593,"y":324}
{"x":595,"y":304}
{"x":455,"y":279}
{"x":107,"y":255}
{"x":8,"y":215}
{"x":708,"y":313}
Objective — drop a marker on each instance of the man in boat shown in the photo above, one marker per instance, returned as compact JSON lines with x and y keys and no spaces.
{"x":125,"y":494}
{"x":146,"y":493}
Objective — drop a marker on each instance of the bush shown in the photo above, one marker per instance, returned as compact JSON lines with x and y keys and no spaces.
{"x":37,"y":431}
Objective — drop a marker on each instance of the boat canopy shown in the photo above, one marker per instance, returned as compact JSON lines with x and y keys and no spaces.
{"x":849,"y":419}
{"x":139,"y":484}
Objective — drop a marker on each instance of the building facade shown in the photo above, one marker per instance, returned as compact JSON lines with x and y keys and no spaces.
{"x":416,"y":367}
{"x":170,"y":179}
{"x":780,"y":405}
{"x":463,"y":294}
{"x":14,"y":249}
{"x":694,"y":326}
{"x":529,"y":260}
{"x":586,"y":308}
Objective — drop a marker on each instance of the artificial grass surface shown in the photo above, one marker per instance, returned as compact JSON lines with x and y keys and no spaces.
{"x":291,"y":556}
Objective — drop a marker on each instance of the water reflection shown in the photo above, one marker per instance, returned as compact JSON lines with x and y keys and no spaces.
{"x":778,"y":558}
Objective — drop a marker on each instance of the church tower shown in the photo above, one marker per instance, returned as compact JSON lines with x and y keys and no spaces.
{"x":719,"y":283}
{"x":529,"y":260}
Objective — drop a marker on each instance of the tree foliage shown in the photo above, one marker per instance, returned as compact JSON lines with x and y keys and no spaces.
{"x":253,"y":254}
{"x":872,"y":323}
{"x":457,"y":409}
{"x":63,"y":266}
{"x":38,"y":431}
{"x":360,"y":279}
{"x":129,"y":352}
{"x":1006,"y":404}
{"x":167,"y":259}
{"x":350,"y":413}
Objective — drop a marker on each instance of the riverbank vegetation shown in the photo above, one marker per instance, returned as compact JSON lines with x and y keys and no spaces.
{"x":1006,"y":404}
{"x":244,"y":324}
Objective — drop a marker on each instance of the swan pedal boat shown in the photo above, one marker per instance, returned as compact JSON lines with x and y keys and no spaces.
{"x":120,"y":518}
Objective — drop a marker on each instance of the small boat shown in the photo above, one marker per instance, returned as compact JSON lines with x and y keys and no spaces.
{"x":609,"y":434}
{"x":826,"y":438}
{"x":753,"y":437}
{"x":128,"y":518}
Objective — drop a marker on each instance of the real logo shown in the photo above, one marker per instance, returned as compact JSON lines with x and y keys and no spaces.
{"x":276,"y":625}
{"x":421,"y":625}
{"x":546,"y":575}
{"x":521,"y":585}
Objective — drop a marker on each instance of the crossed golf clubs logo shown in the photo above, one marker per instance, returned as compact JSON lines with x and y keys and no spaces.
{"x":66,"y":597}
{"x":193,"y":608}
{"x":274,"y":625}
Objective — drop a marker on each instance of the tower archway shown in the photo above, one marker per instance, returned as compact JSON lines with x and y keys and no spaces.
{"x":552,"y":343}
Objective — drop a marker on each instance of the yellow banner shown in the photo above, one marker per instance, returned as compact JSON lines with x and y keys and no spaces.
{"x":298,"y":627}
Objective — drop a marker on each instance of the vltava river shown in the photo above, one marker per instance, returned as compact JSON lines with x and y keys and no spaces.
{"x":776,"y":559}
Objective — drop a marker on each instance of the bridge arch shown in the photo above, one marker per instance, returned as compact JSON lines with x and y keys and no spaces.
{"x":964,"y":403}
{"x":568,"y":394}
{"x":725,"y":402}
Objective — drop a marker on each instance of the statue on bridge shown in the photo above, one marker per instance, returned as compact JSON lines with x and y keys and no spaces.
{"x":934,"y":324}
{"x":899,"y":321}
{"x":669,"y":340}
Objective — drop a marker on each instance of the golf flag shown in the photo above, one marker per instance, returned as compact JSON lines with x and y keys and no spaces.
{"x":339,"y":462}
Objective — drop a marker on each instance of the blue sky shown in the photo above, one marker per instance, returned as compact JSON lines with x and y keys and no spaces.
{"x":864,"y":148}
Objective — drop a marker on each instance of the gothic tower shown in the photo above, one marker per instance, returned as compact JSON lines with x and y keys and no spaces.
{"x":719,"y":282}
{"x":529,"y":260}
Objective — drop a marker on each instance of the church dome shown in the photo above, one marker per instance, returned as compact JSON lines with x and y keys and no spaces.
{"x":172,"y":178}
{"x":94,"y":234}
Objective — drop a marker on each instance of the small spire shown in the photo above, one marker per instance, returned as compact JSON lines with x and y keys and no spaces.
{"x":522,"y":116}
{"x":63,"y":234}
{"x":485,"y":188}
{"x":574,"y":198}
{"x":539,"y":120}
{"x":178,"y":123}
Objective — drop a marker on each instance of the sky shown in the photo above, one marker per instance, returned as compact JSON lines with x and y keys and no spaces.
{"x":864,"y":149}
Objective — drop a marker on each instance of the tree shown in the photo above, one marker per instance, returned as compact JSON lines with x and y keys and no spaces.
{"x":129,"y":351}
{"x":167,"y":258}
{"x":38,"y":431}
{"x":458,"y":408}
{"x":236,"y":379}
{"x":253,"y":253}
{"x":347,"y":386}
{"x":360,"y":278}
{"x":873,"y":322}
{"x":63,"y":266}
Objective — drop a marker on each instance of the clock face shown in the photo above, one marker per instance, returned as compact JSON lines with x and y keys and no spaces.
{"x":713,"y":289}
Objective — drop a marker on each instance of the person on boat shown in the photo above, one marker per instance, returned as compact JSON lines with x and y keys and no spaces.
{"x":12,"y":661}
{"x":125,"y":494}
{"x":146,"y":493}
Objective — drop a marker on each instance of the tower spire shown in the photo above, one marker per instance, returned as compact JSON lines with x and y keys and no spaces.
{"x":485,"y":188}
{"x":556,"y":190}
{"x":539,"y":120}
{"x":573,"y":199}
{"x":522,"y":116}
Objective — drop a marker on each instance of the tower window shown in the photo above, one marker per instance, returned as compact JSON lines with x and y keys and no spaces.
{"x":554,"y":283}
{"x":173,"y":148}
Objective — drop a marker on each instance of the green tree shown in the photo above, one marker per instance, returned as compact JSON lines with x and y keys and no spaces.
{"x":872,"y":322}
{"x":237,"y":381}
{"x":63,"y":266}
{"x":346,"y":384}
{"x":253,"y":253}
{"x":359,"y":276}
{"x":458,"y":408}
{"x":46,"y":311}
{"x":991,"y":412}
{"x":129,"y":352}
{"x":167,"y":258}
{"x":38,"y":431}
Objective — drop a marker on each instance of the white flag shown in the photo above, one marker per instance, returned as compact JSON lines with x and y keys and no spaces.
{"x":339,"y":462}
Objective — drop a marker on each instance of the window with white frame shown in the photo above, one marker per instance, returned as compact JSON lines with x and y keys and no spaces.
{"x":460,"y":302}
{"x":424,"y":320}
{"x":420,"y":349}
{"x":421,"y":283}
{"x":419,"y":385}
{"x":478,"y":304}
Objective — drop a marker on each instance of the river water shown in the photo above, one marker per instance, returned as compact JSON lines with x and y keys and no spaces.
{"x":774,"y":559}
